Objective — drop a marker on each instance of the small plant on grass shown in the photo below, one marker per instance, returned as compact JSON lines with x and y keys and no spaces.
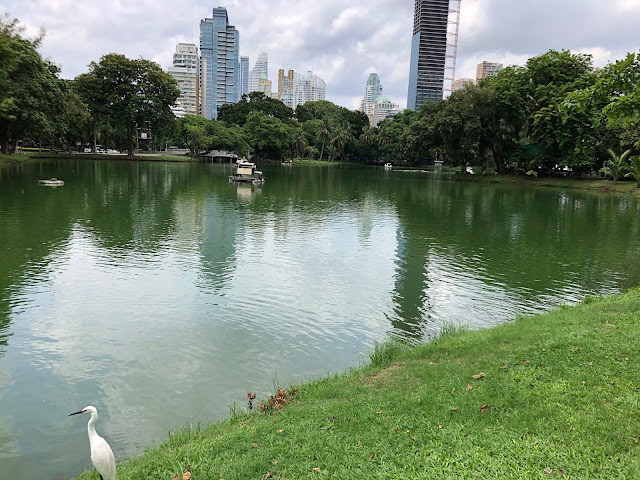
{"x":616,"y":166}
{"x":386,"y":352}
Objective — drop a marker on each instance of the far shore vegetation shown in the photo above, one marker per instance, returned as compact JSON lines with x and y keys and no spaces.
{"x":549,"y":396}
{"x":555,"y":116}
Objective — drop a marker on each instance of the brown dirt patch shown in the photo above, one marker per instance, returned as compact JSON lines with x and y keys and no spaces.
{"x":384,"y":374}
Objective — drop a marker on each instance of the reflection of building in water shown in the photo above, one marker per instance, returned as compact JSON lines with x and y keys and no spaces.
{"x":212,"y":228}
{"x":411,"y":283}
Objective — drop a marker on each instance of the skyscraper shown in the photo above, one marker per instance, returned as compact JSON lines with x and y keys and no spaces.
{"x":372,"y":91}
{"x":185,"y":71}
{"x":244,"y":75}
{"x":219,"y":63}
{"x":259,"y":69}
{"x":428,"y":52}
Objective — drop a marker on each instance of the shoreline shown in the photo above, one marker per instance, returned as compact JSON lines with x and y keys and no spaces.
{"x":554,"y":393}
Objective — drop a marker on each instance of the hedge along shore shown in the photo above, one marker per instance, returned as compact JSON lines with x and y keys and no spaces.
{"x":550,"y":396}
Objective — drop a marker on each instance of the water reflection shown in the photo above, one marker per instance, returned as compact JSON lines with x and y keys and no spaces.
{"x":161,"y":293}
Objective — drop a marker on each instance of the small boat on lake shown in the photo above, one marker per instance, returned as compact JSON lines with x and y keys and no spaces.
{"x":52,"y":182}
{"x":388,"y":166}
{"x":246,"y":172}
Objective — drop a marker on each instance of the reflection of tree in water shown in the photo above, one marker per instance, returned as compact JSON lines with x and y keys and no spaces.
{"x":529,"y":245}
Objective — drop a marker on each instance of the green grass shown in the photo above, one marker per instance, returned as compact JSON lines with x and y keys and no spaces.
{"x":89,"y":156}
{"x":318,"y":163}
{"x":560,"y":398}
{"x":594,"y":184}
{"x":12,"y":159}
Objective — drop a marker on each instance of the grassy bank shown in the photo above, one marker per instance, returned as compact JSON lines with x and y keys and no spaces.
{"x":12,"y":159}
{"x":556,"y":395}
{"x":593,"y":184}
{"x":89,"y":156}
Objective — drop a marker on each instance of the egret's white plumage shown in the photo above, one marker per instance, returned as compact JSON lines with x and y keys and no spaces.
{"x":101,"y":453}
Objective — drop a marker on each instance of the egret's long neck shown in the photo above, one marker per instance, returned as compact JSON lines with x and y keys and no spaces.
{"x":92,"y":428}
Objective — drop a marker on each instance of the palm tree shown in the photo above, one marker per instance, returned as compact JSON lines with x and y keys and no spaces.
{"x":383,"y":139}
{"x":340,"y":140}
{"x":367,"y":136}
{"x":299,"y":144}
{"x":634,"y":170}
{"x":324,"y":135}
{"x":616,"y":166}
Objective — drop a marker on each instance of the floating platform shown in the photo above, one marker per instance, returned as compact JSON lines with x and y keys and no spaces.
{"x":52,"y":182}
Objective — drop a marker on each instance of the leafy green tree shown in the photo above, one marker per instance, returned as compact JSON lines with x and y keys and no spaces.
{"x":268,"y":136}
{"x":237,"y":113}
{"x":340,"y":140}
{"x":617,"y":165}
{"x":367,"y":136}
{"x":79,"y":121}
{"x":128,"y":93}
{"x":32,"y":97}
{"x":192,"y":131}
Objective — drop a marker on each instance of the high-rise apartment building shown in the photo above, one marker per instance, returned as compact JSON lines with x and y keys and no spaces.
{"x":264,"y":86}
{"x":295,"y":89}
{"x":219,"y":63}
{"x":185,"y":71}
{"x":487,"y":69}
{"x":428,"y":52}
{"x":259,"y":69}
{"x":381,"y":109}
{"x":373,"y":90}
{"x":244,"y":75}
{"x":462,"y":83}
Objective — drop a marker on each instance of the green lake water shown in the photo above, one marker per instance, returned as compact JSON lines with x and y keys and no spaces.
{"x":161,"y":294}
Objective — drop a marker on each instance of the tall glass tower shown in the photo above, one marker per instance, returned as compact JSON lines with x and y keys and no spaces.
{"x":219,"y":63}
{"x":244,"y":75}
{"x":259,"y":69}
{"x":428,"y":52}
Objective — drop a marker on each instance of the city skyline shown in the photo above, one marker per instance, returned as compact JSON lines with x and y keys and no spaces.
{"x":342,"y":44}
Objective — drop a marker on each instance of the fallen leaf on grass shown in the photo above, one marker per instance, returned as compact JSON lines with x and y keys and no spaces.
{"x":453,"y":391}
{"x":359,"y":444}
{"x":414,"y":439}
{"x":186,"y":475}
{"x":504,"y":368}
{"x":469,"y":387}
{"x":275,"y":462}
{"x":440,"y":426}
{"x":527,"y":362}
{"x":484,"y":409}
{"x":281,"y":430}
{"x":379,"y":413}
{"x":255,"y":445}
{"x":177,"y":477}
{"x":548,"y":470}
{"x":454,"y":409}
{"x":316,"y":469}
{"x":373,"y":455}
{"x":478,"y":376}
{"x":269,"y":475}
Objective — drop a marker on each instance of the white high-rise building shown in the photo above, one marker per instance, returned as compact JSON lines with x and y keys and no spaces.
{"x":185,"y":71}
{"x":259,"y":69}
{"x":295,"y":89}
{"x":372,"y":91}
{"x":381,"y":109}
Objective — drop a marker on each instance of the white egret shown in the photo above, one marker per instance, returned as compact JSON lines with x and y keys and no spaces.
{"x":101,"y":453}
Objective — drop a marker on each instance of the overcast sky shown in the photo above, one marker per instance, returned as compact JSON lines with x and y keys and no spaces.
{"x":342,"y":41}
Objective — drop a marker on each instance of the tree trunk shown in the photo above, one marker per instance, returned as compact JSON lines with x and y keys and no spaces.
{"x":322,"y":151}
{"x":5,"y":146}
{"x":130,"y":137}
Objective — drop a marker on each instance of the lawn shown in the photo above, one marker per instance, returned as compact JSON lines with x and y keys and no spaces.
{"x":551,"y":396}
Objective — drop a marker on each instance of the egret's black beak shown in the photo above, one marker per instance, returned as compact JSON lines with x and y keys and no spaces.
{"x":77,"y":413}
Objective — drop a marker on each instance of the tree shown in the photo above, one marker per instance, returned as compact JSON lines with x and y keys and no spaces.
{"x":128,"y":93}
{"x":192,"y":130}
{"x":79,"y":121}
{"x":634,"y":169}
{"x":617,"y":165}
{"x":324,"y":134}
{"x":367,"y":136}
{"x":340,"y":139}
{"x":299,"y":143}
{"x":32,"y":97}
{"x":237,"y":113}
{"x":267,"y":135}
